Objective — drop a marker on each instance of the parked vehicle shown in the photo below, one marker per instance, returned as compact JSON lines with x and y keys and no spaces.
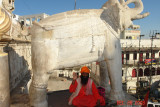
{"x":153,"y":104}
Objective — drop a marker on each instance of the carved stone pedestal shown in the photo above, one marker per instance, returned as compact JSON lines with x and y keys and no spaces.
{"x":4,"y":80}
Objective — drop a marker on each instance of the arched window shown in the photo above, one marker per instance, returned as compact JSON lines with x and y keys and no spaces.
{"x":146,"y":72}
{"x":158,"y":71}
{"x":134,"y":73}
{"x":140,"y":73}
{"x":134,"y":56}
{"x":127,"y":55}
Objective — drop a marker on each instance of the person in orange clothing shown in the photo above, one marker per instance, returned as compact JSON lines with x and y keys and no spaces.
{"x":84,"y":91}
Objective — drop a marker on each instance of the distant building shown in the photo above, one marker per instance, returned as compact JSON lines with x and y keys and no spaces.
{"x":158,"y":35}
{"x":131,"y":33}
{"x":132,"y":54}
{"x":28,"y":19}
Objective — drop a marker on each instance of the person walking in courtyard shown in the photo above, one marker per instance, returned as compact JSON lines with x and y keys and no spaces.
{"x":84,"y":91}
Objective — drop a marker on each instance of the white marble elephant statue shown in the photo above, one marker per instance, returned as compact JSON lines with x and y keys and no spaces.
{"x":78,"y":37}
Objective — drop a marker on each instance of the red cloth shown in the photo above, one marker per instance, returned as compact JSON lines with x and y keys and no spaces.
{"x":146,"y":99}
{"x":82,"y":99}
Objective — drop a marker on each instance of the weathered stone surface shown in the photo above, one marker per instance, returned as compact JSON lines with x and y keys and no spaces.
{"x":17,"y":62}
{"x":4,"y":80}
{"x":19,"y":57}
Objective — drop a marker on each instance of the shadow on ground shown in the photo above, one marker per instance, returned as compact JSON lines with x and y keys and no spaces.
{"x":55,"y":99}
{"x":58,"y":98}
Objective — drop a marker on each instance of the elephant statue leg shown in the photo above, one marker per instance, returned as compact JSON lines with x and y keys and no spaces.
{"x":104,"y":78}
{"x":41,"y":69}
{"x":114,"y":66}
{"x":37,"y":91}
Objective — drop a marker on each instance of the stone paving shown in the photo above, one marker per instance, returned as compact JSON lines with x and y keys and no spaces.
{"x":58,"y":94}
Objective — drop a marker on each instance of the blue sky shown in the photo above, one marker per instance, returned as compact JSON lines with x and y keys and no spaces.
{"x":28,"y":7}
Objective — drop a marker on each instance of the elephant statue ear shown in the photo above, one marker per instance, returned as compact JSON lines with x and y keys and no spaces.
{"x":111,"y":15}
{"x":109,"y":3}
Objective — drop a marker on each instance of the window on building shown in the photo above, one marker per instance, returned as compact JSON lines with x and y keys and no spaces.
{"x":158,"y":71}
{"x":159,"y":57}
{"x":140,"y":73}
{"x":147,"y":55}
{"x":127,"y":56}
{"x":153,"y":55}
{"x":34,"y":19}
{"x":130,"y":37}
{"x":153,"y":71}
{"x":146,"y":72}
{"x":134,"y":56}
{"x":134,"y":73}
{"x":122,"y":58}
{"x":141,"y":57}
{"x":38,"y":19}
{"x":22,"y":23}
{"x":122,"y":72}
{"x":150,"y":105}
{"x":157,"y":105}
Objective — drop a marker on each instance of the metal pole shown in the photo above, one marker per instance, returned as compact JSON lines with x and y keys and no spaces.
{"x":139,"y":61}
{"x":126,"y":64}
{"x":4,"y":80}
{"x":153,"y":35}
{"x":75,"y":5}
{"x":151,"y":61}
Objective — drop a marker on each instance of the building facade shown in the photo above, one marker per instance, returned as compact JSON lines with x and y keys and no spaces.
{"x":131,"y":33}
{"x":28,"y":19}
{"x":136,"y":60}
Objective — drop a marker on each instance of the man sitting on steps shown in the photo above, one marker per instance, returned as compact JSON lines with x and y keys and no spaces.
{"x":84,"y":91}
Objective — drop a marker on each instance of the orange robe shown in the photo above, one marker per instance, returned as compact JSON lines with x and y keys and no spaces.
{"x":82,"y":99}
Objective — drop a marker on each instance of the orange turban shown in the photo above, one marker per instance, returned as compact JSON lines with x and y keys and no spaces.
{"x":85,"y":69}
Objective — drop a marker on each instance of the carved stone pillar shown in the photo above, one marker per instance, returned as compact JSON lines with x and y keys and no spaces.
{"x":30,"y":21}
{"x":24,"y":21}
{"x":4,"y":80}
{"x":38,"y":92}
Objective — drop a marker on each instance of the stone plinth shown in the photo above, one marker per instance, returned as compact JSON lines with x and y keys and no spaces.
{"x":4,"y":80}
